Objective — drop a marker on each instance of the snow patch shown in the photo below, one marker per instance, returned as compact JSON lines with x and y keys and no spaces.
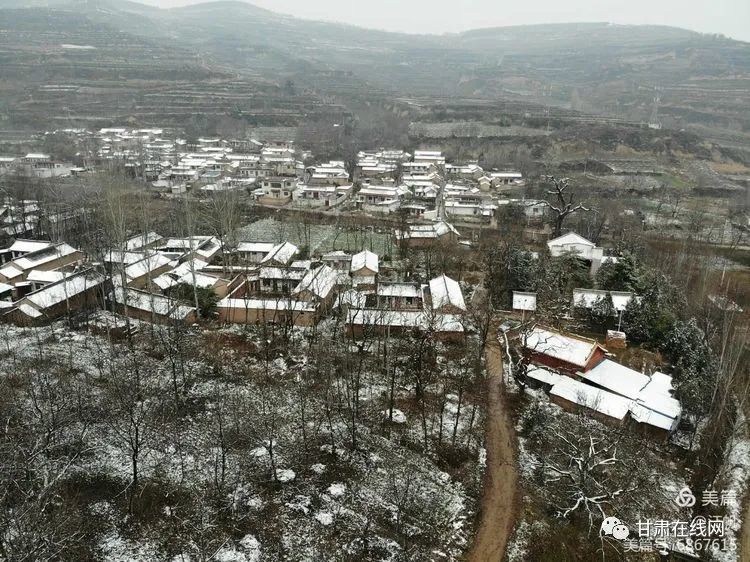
{"x":398,"y":416}
{"x":285,"y":475}
{"x":324,"y":518}
{"x":337,"y":490}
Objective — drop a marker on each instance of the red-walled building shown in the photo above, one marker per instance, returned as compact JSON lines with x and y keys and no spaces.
{"x":570,"y":354}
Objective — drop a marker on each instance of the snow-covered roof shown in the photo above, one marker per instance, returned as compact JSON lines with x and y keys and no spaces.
{"x":45,"y":255}
{"x":281,"y":253}
{"x":543,"y":375}
{"x":255,"y":247}
{"x":267,"y":304}
{"x":29,"y":310}
{"x":282,"y":273}
{"x":568,"y":239}
{"x":336,"y":255}
{"x":28,"y":246}
{"x":4,"y":288}
{"x":617,"y":378}
{"x":10,"y":271}
{"x":165,"y":281}
{"x":67,"y":288}
{"x":446,"y":291}
{"x":127,"y":258}
{"x":574,"y":350}
{"x":433,"y":230}
{"x":405,"y":319}
{"x":146,"y":265}
{"x":301,"y":264}
{"x":399,"y":290}
{"x":524,"y":301}
{"x":365,"y":259}
{"x":587,"y":298}
{"x":200,"y":280}
{"x":585,"y":395}
{"x":655,"y":404}
{"x":152,"y":302}
{"x":141,"y":240}
{"x":39,"y":276}
{"x":188,"y":267}
{"x":320,"y":282}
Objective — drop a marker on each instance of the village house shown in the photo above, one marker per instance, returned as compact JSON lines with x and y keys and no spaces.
{"x":364,"y":269}
{"x":572,"y":243}
{"x":399,"y":296}
{"x":398,"y":307}
{"x":281,"y":254}
{"x":139,"y":274}
{"x":432,"y":156}
{"x":46,"y":259}
{"x":253,"y":252}
{"x":173,"y":277}
{"x":39,"y":279}
{"x":142,"y":241}
{"x":418,"y":168}
{"x":590,"y":298}
{"x":570,"y":354}
{"x":506,"y":178}
{"x":275,"y":190}
{"x":572,"y":395}
{"x":81,"y":291}
{"x":615,"y":394}
{"x":318,"y":286}
{"x":465,"y":171}
{"x":151,"y":307}
{"x":203,"y":280}
{"x":42,"y":166}
{"x":419,"y":235}
{"x":202,"y":247}
{"x":276,"y":279}
{"x":474,"y":211}
{"x":656,"y":412}
{"x":445,"y":296}
{"x":240,"y":309}
{"x":330,"y":173}
{"x":380,"y":198}
{"x":320,"y":195}
{"x":338,"y":260}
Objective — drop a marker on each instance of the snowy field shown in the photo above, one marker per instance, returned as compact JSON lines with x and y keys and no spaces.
{"x":245,"y":451}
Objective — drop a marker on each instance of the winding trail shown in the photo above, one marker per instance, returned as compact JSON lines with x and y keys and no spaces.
{"x":500,"y":497}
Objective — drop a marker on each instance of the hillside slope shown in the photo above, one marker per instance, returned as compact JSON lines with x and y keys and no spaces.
{"x":680,"y":78}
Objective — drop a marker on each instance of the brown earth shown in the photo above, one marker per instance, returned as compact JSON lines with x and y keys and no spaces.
{"x":501,"y":495}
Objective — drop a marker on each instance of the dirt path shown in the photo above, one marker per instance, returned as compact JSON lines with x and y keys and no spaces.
{"x":500,"y":496}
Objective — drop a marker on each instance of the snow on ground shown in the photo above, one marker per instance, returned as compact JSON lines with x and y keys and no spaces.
{"x":398,"y":416}
{"x":324,"y":518}
{"x":114,"y":548}
{"x":337,"y":490}
{"x":735,"y":478}
{"x":328,"y":483}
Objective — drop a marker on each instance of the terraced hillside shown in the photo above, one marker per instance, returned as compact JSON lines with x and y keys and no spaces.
{"x":62,"y":68}
{"x":232,"y":57}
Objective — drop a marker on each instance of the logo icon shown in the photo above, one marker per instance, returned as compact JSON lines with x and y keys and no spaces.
{"x":685,"y":498}
{"x":613,"y":527}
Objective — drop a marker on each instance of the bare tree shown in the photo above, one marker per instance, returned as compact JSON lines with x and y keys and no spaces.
{"x":563,"y":204}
